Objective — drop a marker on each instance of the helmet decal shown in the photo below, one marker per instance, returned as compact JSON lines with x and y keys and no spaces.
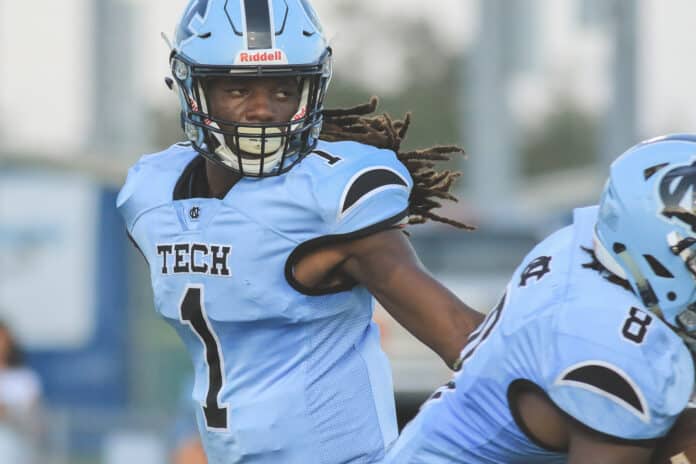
{"x":264,"y":57}
{"x":193,"y":17}
{"x":677,"y":194}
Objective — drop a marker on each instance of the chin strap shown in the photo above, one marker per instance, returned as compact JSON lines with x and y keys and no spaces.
{"x":686,"y":320}
{"x":605,"y":258}
{"x":645,"y":290}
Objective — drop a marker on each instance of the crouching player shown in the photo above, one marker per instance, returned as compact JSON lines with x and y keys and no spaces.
{"x":586,"y":359}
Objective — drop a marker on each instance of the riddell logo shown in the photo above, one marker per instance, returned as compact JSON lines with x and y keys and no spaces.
{"x":265,"y":57}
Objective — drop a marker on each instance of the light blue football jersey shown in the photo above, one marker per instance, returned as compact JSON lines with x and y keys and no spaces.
{"x":282,"y":376}
{"x":587,"y":342}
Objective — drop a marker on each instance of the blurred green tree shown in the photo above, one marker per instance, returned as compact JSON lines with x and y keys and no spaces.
{"x":567,"y":138}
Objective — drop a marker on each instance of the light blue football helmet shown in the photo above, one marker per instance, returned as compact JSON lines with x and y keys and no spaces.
{"x":646,"y":229}
{"x":251,"y":38}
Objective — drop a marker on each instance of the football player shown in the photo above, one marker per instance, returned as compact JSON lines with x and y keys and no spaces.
{"x":266,"y":245}
{"x":586,"y":358}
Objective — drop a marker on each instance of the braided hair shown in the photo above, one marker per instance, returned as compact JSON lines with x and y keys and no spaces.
{"x":595,"y":265}
{"x":430,"y":186}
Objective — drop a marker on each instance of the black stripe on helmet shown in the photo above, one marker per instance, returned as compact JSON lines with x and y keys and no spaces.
{"x":258,"y":24}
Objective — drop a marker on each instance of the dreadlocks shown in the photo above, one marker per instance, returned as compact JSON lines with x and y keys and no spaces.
{"x":430,"y":185}
{"x":595,"y":265}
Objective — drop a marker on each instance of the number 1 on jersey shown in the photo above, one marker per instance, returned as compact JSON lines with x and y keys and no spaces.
{"x":192,"y":313}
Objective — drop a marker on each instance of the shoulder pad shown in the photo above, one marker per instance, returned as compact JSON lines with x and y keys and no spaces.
{"x":538,"y":280}
{"x":151,"y":180}
{"x":358,"y":186}
{"x":628,"y":376}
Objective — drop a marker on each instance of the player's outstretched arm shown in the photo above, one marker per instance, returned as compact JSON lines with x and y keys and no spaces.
{"x":386,"y":264}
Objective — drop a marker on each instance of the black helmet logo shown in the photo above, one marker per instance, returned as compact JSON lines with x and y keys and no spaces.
{"x":193,"y":17}
{"x":676,"y":190}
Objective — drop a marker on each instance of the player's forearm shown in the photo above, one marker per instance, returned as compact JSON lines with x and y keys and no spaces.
{"x":386,"y":264}
{"x":432,"y":314}
{"x":464,"y":320}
